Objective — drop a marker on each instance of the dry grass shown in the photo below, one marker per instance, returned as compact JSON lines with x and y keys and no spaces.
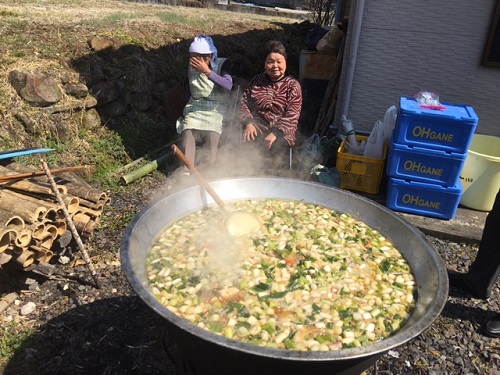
{"x":52,"y":36}
{"x":75,"y":12}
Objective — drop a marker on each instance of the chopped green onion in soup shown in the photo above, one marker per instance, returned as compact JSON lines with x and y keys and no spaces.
{"x":309,"y":279}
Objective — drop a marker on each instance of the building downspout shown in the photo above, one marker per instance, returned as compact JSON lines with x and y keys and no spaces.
{"x":353,"y":53}
{"x":338,"y":11}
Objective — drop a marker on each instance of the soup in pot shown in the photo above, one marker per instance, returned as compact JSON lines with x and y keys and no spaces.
{"x":309,"y":279}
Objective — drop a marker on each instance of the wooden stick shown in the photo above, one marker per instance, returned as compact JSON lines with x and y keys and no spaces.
{"x":76,"y":236}
{"x":200,"y":178}
{"x":4,"y":179}
{"x":324,"y":119}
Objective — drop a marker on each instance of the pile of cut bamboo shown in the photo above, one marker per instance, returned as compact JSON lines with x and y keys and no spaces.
{"x":31,"y":219}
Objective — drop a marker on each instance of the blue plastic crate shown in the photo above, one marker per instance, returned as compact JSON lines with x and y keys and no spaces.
{"x":424,"y":164}
{"x":423,"y":199}
{"x":450,"y":129}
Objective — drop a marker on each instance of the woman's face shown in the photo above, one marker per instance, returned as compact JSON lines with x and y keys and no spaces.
{"x":275,"y":66}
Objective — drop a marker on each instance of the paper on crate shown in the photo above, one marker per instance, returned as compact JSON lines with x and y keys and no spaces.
{"x":374,"y":147}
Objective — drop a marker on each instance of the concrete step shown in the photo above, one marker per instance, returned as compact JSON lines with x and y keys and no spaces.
{"x":466,"y":227}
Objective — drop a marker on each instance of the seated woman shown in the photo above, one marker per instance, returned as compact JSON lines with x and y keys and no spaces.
{"x":209,"y":77}
{"x":270,"y":107}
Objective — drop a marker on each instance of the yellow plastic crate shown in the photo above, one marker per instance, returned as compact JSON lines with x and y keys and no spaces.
{"x":358,"y":172}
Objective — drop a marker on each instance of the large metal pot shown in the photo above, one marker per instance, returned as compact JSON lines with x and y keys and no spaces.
{"x":204,"y":352}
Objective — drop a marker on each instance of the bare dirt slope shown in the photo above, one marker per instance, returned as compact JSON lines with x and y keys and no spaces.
{"x":54,"y":37}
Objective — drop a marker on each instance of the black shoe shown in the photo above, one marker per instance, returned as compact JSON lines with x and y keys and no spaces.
{"x":492,"y":327}
{"x":460,"y":281}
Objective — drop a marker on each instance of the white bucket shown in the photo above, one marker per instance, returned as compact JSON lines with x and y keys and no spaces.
{"x":480,"y":175}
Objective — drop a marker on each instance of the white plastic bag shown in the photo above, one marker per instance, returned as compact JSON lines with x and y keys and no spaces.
{"x":390,"y":118}
{"x":374,"y":147}
{"x":311,"y":150}
{"x":330,"y":42}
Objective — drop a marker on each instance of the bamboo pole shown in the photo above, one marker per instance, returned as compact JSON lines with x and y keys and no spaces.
{"x":21,"y":235}
{"x":25,"y":185}
{"x":15,"y":221}
{"x":5,"y":238}
{"x":28,"y":208}
{"x":51,"y":206}
{"x":148,"y":156}
{"x":73,"y":179}
{"x":76,"y":236}
{"x":17,"y":250}
{"x":42,"y":255}
{"x":99,"y":206}
{"x":23,"y":238}
{"x":20,"y":168}
{"x":7,"y":300}
{"x":52,"y":214}
{"x":5,"y":257}
{"x":86,"y":229}
{"x":36,"y":229}
{"x":30,"y":187}
{"x":94,"y":214}
{"x":22,"y":176}
{"x":45,"y":242}
{"x":144,"y":170}
{"x":59,"y":224}
{"x":8,"y":219}
{"x":25,"y":258}
{"x":72,"y":203}
{"x":49,"y":230}
{"x":84,"y":192}
{"x":81,"y":217}
{"x":84,"y":223}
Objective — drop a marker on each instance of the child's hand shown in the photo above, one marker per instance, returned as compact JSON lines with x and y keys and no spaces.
{"x":199,"y":64}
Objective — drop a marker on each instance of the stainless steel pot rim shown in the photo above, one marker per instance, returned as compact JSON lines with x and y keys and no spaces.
{"x":408,"y":332}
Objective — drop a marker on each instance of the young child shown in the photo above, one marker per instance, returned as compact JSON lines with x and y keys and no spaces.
{"x":208,"y":76}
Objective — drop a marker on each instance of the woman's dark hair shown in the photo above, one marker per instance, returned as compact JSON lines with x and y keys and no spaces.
{"x":275,"y":46}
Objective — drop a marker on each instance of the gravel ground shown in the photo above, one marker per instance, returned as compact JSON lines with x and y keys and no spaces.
{"x":79,"y":329}
{"x":454,"y":344}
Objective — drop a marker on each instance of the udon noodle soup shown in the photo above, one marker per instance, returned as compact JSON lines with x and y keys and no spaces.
{"x":309,"y":279}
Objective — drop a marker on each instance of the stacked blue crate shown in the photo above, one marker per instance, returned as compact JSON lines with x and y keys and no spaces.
{"x":426,"y":155}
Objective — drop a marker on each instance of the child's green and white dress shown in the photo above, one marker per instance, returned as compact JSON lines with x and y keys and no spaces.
{"x":203,"y":110}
